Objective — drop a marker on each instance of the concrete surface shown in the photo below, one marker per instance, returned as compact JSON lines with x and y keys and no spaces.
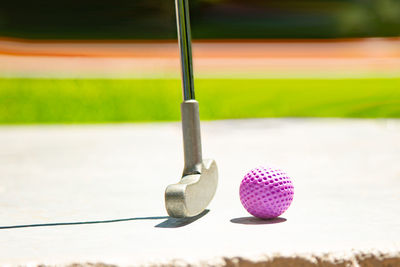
{"x":93,"y":194}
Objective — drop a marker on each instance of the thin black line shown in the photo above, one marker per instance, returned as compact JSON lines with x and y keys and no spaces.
{"x":78,"y":223}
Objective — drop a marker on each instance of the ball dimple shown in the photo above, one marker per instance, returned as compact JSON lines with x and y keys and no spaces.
{"x":266,"y":192}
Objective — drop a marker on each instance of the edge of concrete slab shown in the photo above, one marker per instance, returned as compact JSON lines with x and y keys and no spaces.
{"x":345,"y":259}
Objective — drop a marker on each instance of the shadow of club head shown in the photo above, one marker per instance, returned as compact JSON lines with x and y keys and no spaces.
{"x":193,"y":193}
{"x":180,"y":222}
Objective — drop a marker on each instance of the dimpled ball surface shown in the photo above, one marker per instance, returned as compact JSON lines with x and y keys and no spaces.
{"x":266,"y":192}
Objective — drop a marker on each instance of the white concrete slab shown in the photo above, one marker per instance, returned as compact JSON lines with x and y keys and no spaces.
{"x":94,"y":193}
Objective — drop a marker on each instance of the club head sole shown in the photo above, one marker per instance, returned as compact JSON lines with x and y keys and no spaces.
{"x":193,"y":193}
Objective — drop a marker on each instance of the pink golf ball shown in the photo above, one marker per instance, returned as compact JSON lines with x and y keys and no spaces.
{"x":266,"y":192}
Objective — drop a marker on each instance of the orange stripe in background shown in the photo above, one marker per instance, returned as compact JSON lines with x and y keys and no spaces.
{"x":248,"y":48}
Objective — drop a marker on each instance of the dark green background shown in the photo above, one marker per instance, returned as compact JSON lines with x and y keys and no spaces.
{"x":155,"y":19}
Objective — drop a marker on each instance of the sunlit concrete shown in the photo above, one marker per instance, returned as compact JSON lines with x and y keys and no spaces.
{"x":95,"y":193}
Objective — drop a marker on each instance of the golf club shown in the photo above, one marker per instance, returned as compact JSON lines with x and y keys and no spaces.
{"x":199,"y":181}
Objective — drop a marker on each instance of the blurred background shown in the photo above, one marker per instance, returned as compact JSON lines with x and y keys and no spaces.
{"x":211,"y":19}
{"x":101,"y":61}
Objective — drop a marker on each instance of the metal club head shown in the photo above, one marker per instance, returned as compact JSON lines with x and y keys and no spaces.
{"x":199,"y":181}
{"x":193,"y":193}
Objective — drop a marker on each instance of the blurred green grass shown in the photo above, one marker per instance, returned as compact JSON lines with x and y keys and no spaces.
{"x":106,"y":100}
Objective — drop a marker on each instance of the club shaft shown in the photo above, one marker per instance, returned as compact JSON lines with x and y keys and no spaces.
{"x":185,"y":48}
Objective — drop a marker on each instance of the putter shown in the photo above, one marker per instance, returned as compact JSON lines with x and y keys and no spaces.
{"x":199,"y":181}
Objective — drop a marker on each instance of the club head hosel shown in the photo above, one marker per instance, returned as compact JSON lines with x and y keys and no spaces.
{"x":191,"y":137}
